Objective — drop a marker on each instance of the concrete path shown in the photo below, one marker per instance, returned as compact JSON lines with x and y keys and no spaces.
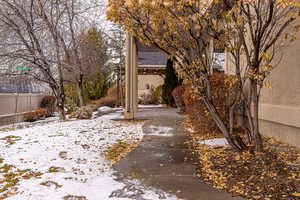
{"x":165,"y":162}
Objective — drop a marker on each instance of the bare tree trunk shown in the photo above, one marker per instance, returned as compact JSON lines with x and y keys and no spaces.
{"x":79,"y":87}
{"x":234,"y":141}
{"x":256,"y":133}
{"x":61,"y":106}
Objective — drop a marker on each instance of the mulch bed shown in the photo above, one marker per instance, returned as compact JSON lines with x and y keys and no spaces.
{"x":271,"y":175}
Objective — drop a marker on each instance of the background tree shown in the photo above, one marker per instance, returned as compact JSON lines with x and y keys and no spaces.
{"x":116,"y":37}
{"x":93,"y":56}
{"x":170,"y":83}
{"x":39,"y":34}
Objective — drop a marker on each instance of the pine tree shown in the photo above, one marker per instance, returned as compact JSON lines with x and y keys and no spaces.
{"x":171,"y":81}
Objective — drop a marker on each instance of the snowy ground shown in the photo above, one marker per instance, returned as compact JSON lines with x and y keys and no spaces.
{"x":65,"y":160}
{"x":215,"y":142}
{"x":161,"y":131}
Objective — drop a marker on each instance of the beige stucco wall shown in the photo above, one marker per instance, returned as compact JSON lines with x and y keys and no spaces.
{"x":151,"y":80}
{"x":19,"y":103}
{"x":280,"y":105}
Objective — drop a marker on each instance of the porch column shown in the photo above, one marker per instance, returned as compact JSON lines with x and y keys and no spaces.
{"x":130,"y":78}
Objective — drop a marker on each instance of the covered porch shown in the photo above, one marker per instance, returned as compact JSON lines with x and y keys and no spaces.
{"x":141,"y":61}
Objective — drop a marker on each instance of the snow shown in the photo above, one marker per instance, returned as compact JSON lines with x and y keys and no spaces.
{"x":161,"y":131}
{"x":28,"y":124}
{"x":151,"y":106}
{"x":215,"y":142}
{"x":77,"y":148}
{"x":105,"y":109}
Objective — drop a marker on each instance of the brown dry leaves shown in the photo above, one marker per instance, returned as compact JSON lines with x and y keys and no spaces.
{"x":119,"y":151}
{"x":271,"y":175}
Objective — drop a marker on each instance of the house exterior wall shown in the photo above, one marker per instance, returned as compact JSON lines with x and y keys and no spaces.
{"x":280,"y":105}
{"x":151,"y":80}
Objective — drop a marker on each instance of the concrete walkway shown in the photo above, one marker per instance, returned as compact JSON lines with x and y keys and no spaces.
{"x":165,"y":162}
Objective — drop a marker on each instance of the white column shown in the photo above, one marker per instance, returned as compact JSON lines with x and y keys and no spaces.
{"x":134,"y":76}
{"x":130,"y":78}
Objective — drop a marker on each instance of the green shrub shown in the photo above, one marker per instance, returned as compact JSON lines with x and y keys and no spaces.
{"x":92,"y":90}
{"x":158,"y":94}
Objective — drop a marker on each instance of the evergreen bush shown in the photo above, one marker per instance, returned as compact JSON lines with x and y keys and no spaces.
{"x":171,"y":81}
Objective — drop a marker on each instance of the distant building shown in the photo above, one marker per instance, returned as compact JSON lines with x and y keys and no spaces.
{"x":151,"y":68}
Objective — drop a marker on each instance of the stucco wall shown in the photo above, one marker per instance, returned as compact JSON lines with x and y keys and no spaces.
{"x":19,"y":103}
{"x":151,"y":80}
{"x":280,"y":105}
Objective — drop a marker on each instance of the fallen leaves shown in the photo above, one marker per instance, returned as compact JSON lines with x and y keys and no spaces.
{"x":120,"y":150}
{"x":271,"y":175}
{"x":11,"y":176}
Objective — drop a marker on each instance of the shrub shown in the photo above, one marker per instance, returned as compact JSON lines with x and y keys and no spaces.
{"x":42,"y":112}
{"x":48,"y":102}
{"x":84,"y":112}
{"x":170,"y":82}
{"x":200,"y":117}
{"x":92,"y":107}
{"x":113,"y":92}
{"x":110,"y":101}
{"x":70,"y":108}
{"x":31,"y":116}
{"x":95,"y":89}
{"x":149,"y":98}
{"x":177,"y":94}
{"x":158,"y":94}
{"x":35,"y":115}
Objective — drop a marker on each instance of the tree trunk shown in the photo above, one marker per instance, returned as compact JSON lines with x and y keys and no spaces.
{"x":61,"y":106}
{"x":79,"y":87}
{"x":256,"y":133}
{"x":235,"y":142}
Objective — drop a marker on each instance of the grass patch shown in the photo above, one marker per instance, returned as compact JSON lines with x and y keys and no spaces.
{"x":11,"y":177}
{"x":55,"y":169}
{"x":120,"y":150}
{"x":72,"y":197}
{"x":11,"y":139}
{"x":50,"y":184}
{"x":1,"y":160}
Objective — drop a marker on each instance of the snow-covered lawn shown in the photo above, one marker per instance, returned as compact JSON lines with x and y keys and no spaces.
{"x":66,"y":160}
